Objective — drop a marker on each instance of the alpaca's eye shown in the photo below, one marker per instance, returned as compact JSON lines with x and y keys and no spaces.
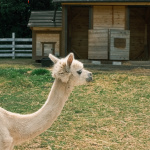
{"x":79,"y":72}
{"x":61,"y":73}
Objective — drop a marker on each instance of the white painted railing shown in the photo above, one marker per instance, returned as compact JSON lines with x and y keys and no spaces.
{"x":15,"y":47}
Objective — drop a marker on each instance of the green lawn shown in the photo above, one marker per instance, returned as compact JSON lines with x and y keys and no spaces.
{"x":111,"y":113}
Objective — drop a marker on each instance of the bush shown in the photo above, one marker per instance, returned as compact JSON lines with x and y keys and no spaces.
{"x":39,"y":72}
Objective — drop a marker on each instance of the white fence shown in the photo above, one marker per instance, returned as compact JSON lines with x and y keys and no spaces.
{"x":15,"y":47}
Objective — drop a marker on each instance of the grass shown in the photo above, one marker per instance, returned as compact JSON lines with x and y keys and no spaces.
{"x":111,"y":113}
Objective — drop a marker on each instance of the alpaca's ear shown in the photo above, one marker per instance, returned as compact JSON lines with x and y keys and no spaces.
{"x":70,"y":59}
{"x":53,"y":58}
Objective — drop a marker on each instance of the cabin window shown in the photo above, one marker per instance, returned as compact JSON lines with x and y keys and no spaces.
{"x":120,"y":43}
{"x":48,"y":48}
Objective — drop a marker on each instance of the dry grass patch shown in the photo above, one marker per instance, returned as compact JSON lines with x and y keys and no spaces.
{"x":110,"y":113}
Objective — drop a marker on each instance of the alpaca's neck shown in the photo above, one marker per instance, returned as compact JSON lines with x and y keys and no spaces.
{"x":53,"y":106}
{"x":57,"y":97}
{"x":34,"y":124}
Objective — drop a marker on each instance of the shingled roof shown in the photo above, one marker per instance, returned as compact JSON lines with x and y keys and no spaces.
{"x":74,"y":1}
{"x":44,"y":19}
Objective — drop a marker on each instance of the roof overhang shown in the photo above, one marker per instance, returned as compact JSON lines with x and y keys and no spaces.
{"x":53,"y":29}
{"x":45,"y":19}
{"x":103,"y":2}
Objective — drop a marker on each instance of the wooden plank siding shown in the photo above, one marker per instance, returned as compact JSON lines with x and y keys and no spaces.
{"x":109,"y":17}
{"x":104,"y":19}
{"x":112,"y":44}
{"x":98,"y":44}
{"x":78,"y":24}
{"x":47,"y":37}
{"x":119,"y":44}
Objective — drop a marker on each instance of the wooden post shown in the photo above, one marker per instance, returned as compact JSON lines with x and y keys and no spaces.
{"x":145,"y":43}
{"x":127,"y":22}
{"x":66,"y":28}
{"x":90,"y":17}
{"x":64,"y":31}
{"x":13,"y":45}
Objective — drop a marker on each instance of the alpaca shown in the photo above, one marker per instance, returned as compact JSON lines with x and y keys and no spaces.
{"x":16,"y":128}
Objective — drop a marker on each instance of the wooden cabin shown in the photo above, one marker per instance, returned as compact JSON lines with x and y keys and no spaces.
{"x":103,"y":29}
{"x":46,"y":33}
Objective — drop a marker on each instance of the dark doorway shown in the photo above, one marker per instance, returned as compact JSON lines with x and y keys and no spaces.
{"x":139,"y":33}
{"x":78,"y":25}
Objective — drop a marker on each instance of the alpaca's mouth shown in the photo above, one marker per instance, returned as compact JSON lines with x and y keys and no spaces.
{"x":89,"y":79}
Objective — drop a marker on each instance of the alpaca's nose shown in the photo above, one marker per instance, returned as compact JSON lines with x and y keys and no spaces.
{"x":89,"y":77}
{"x":90,"y":74}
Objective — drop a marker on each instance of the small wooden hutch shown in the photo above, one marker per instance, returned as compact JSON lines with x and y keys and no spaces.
{"x":46,"y":33}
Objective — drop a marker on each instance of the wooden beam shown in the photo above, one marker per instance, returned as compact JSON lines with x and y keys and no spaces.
{"x":127,"y":17}
{"x":64,"y":31}
{"x":33,"y":45}
{"x":91,"y":17}
{"x":109,"y":3}
{"x":47,"y":28}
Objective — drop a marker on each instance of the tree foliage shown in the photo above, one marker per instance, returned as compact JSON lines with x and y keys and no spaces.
{"x":14,"y":16}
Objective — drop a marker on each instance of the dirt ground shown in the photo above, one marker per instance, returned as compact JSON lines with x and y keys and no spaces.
{"x":128,"y":69}
{"x":131,"y":67}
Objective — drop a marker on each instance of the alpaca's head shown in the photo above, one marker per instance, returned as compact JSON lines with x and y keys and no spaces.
{"x":70,"y":70}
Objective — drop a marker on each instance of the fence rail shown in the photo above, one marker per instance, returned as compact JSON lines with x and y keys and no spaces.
{"x":15,"y":47}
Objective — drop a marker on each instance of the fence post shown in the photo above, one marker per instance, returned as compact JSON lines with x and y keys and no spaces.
{"x":13,"y":45}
